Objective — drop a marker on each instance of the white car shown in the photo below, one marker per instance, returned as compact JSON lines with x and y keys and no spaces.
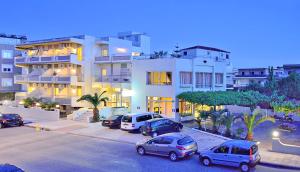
{"x":135,"y":121}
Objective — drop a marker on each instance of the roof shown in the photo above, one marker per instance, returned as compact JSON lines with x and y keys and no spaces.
{"x":241,"y":143}
{"x":291,"y":66}
{"x":143,"y":113}
{"x":205,"y":48}
{"x":2,"y":35}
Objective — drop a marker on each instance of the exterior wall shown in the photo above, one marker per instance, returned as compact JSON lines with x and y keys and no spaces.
{"x":9,"y":44}
{"x":244,"y":77}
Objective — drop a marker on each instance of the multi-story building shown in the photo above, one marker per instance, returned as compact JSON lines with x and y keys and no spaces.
{"x":245,"y":76}
{"x":63,"y":69}
{"x":7,"y":67}
{"x":291,"y":68}
{"x":156,"y":82}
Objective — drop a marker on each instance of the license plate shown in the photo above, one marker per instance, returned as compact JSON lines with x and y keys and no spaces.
{"x":106,"y":122}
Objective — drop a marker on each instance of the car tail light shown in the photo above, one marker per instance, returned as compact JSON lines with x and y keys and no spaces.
{"x":133,"y":125}
{"x":251,"y":156}
{"x":180,"y":147}
{"x":4,"y":120}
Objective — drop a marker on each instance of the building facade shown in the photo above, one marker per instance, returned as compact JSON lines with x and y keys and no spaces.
{"x":245,"y":76}
{"x":7,"y":67}
{"x":157,"y":82}
{"x":63,"y":69}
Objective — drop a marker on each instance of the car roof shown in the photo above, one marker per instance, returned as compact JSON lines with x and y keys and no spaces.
{"x":174,"y":135}
{"x":139,"y":114}
{"x":240,"y":143}
{"x":155,"y":119}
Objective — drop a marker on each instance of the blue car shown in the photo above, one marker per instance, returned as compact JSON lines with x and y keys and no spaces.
{"x":10,"y":168}
{"x":237,"y":153}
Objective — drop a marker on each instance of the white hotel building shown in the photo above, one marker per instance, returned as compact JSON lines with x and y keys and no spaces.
{"x":63,"y":69}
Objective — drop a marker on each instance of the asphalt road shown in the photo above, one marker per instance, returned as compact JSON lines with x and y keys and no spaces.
{"x":50,"y":151}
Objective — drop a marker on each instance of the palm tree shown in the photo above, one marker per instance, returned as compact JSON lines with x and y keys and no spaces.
{"x":252,"y":121}
{"x":227,"y":119}
{"x":95,"y":101}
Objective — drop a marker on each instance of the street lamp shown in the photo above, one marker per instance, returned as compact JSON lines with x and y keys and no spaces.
{"x":275,"y":134}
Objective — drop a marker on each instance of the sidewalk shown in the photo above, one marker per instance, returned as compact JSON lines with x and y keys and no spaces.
{"x":61,"y":125}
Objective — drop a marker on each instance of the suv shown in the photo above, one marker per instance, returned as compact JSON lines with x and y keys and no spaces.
{"x":172,"y":145}
{"x":10,"y":120}
{"x":237,"y":153}
{"x":135,"y":121}
{"x":155,"y":127}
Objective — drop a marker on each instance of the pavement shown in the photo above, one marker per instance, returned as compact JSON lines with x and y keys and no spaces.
{"x":204,"y":140}
{"x":49,"y":151}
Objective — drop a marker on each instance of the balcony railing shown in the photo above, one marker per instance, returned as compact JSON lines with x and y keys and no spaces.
{"x":114,"y":58}
{"x":46,"y":79}
{"x":50,"y":59}
{"x":114,"y":79}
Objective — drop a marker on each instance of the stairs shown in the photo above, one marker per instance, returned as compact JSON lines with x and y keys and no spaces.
{"x":81,"y":115}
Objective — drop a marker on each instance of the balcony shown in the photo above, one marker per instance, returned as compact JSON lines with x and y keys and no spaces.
{"x":114,"y":79}
{"x":46,"y":79}
{"x":110,"y":59}
{"x":72,"y":58}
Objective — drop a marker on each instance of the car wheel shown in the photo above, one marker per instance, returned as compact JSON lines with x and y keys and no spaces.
{"x":1,"y":126}
{"x":141,"y":150}
{"x":21,"y":124}
{"x":244,"y":167}
{"x":155,"y":134}
{"x":206,"y":161}
{"x":173,"y":156}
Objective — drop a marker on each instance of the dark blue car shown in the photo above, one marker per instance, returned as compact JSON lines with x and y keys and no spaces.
{"x":7,"y":120}
{"x":10,"y":168}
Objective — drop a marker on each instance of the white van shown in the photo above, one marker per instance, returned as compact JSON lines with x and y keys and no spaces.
{"x":135,"y":121}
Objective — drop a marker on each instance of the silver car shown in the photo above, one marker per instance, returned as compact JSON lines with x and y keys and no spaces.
{"x":172,"y":145}
{"x":236,"y":153}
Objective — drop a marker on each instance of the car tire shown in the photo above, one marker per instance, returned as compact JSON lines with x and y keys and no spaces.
{"x":173,"y":156}
{"x":21,"y":124}
{"x":1,"y":125}
{"x":154,"y":134}
{"x":141,"y":151}
{"x":244,"y":167}
{"x":206,"y":161}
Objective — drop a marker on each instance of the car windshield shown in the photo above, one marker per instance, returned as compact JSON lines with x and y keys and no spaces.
{"x":127,"y":119}
{"x":185,"y":140}
{"x":9,"y":115}
{"x":114,"y":117}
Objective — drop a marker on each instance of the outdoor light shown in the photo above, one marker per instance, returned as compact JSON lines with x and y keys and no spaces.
{"x":37,"y":104}
{"x":121,"y":50}
{"x":73,"y":70}
{"x":21,"y":102}
{"x":57,"y":106}
{"x":73,"y":91}
{"x":275,"y":134}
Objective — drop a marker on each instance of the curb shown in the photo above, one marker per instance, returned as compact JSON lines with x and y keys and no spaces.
{"x":41,"y":128}
{"x":268,"y":164}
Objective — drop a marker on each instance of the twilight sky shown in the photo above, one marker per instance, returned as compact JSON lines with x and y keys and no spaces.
{"x":258,"y":33}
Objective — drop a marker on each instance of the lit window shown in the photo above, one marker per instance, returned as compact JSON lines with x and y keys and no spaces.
{"x":7,"y":54}
{"x":7,"y":82}
{"x":121,"y":50}
{"x":104,"y":72}
{"x":159,"y":78}
{"x":135,"y":53}
{"x":104,"y":52}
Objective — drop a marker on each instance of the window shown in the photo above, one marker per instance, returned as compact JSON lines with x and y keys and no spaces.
{"x":104,"y":52}
{"x":186,"y":140}
{"x":104,"y":72}
{"x":166,"y":140}
{"x":203,"y":80}
{"x":240,"y":151}
{"x":123,"y":65}
{"x":143,"y":118}
{"x":219,"y":78}
{"x":186,"y":78}
{"x":7,"y":68}
{"x":243,"y":73}
{"x":222,"y":149}
{"x":7,"y":82}
{"x":159,"y":78}
{"x":184,"y":53}
{"x":7,"y":54}
{"x":252,"y":73}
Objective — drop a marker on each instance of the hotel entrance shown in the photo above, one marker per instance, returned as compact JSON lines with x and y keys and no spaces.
{"x":160,"y":105}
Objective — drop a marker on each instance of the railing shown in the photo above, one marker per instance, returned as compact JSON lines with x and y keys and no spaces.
{"x":251,"y":75}
{"x":22,"y":60}
{"x":112,"y":58}
{"x":44,"y":79}
{"x":203,"y":86}
{"x":114,"y":79}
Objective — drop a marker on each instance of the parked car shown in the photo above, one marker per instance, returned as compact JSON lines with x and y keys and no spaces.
{"x":236,"y":153}
{"x":7,"y":120}
{"x":113,"y":121}
{"x":158,"y":126}
{"x":10,"y":168}
{"x":287,"y":126}
{"x":135,"y":121}
{"x":172,"y":145}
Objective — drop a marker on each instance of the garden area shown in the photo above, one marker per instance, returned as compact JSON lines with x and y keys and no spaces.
{"x":274,"y":106}
{"x":39,"y":102}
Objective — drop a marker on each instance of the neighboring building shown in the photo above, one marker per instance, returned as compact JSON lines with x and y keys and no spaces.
{"x":63,"y":69}
{"x":157,"y":82}
{"x":7,"y":67}
{"x":291,"y":68}
{"x":245,"y":76}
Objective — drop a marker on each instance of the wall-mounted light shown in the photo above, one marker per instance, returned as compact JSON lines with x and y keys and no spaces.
{"x":57,"y":106}
{"x":73,"y":71}
{"x":38,"y":104}
{"x":73,"y":91}
{"x":121,"y":50}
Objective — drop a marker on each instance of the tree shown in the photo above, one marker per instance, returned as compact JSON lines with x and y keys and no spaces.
{"x":227,"y":119}
{"x":95,"y":101}
{"x":286,"y":107}
{"x":253,"y":120}
{"x":271,"y":84}
{"x":176,"y":52}
{"x":159,"y":54}
{"x":203,"y":115}
{"x":290,"y":86}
